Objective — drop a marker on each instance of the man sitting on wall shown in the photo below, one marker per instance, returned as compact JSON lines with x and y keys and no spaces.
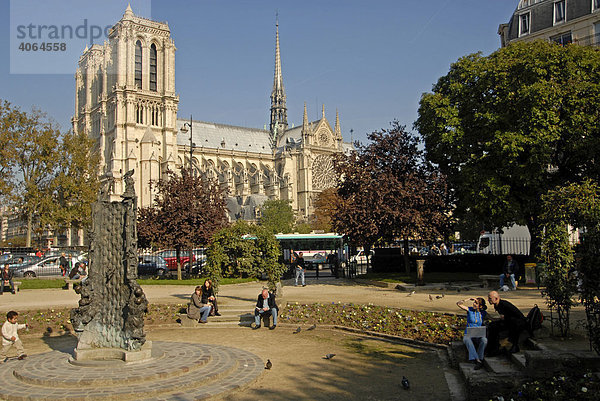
{"x":509,"y":271}
{"x":265,"y":305}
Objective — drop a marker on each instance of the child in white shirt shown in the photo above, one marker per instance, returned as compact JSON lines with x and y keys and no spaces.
{"x":10,"y":336}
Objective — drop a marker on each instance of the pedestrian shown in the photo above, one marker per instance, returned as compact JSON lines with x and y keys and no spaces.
{"x":196,"y":309}
{"x":300,"y":268}
{"x":10,"y":336}
{"x":6,"y":277}
{"x":509,"y":272}
{"x":64,"y":265}
{"x":511,"y":319}
{"x":443,"y":249}
{"x":265,"y":305}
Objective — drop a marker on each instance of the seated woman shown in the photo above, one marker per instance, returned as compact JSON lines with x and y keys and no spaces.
{"x":196,"y":309}
{"x":475,"y":316}
{"x":208,"y":297}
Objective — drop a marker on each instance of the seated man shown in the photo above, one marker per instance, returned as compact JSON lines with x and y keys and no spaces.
{"x":6,"y":277}
{"x":509,"y":271}
{"x":265,"y":305}
{"x":511,"y":319}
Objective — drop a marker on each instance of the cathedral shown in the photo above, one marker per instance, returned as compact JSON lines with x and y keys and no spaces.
{"x":125,"y":99}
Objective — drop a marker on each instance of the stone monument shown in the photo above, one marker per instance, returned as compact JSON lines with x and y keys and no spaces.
{"x":109,"y":321}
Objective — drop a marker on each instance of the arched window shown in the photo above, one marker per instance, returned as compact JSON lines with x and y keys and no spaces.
{"x":138,"y":64}
{"x":153,"y":67}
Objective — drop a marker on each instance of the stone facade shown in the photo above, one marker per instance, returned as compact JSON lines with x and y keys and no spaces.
{"x":561,"y":21}
{"x":126,"y":100}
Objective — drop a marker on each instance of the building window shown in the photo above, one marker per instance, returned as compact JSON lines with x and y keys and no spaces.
{"x":139,"y":114}
{"x":138,"y":64}
{"x":153,"y":67}
{"x":595,"y":5}
{"x":524,"y":22}
{"x":562,"y":39}
{"x":559,"y":12}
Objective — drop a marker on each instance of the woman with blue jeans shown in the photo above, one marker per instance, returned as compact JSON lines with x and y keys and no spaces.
{"x":475,"y":316}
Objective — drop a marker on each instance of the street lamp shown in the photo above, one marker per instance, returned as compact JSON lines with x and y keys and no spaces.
{"x":184,"y":129}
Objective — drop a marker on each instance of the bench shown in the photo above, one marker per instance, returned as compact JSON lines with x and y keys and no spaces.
{"x":69,"y":283}
{"x":487,"y":278}
{"x":16,"y":285}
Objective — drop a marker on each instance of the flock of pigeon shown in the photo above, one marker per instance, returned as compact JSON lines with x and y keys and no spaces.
{"x":405,"y":382}
{"x":431,"y":298}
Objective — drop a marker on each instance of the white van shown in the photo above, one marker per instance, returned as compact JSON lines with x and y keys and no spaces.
{"x":514,"y":240}
{"x":361,"y":257}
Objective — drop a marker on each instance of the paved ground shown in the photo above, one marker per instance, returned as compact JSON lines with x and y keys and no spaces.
{"x":364,"y":368}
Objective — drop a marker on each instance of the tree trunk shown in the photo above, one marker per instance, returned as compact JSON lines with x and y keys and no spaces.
{"x":535,"y":231}
{"x":29,"y":229}
{"x":178,"y":254}
{"x":367,"y":249}
{"x":405,"y":256}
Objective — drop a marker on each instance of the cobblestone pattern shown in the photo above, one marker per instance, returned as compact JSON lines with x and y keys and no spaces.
{"x":185,"y":371}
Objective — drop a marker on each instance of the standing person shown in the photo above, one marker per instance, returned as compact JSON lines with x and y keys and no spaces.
{"x":265,"y":304}
{"x":332,"y":259}
{"x":208,"y":297}
{"x":10,"y":336}
{"x":196,"y":309}
{"x":475,"y":316}
{"x":509,"y":271}
{"x":64,"y":265}
{"x":511,"y":319}
{"x":6,"y":276}
{"x":300,"y":268}
{"x":443,"y":249}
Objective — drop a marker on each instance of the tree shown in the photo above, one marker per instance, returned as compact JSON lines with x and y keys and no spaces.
{"x":187,"y":212}
{"x":325,"y":206}
{"x":277,"y":216}
{"x":8,"y":131}
{"x":76,"y":184}
{"x":508,"y":127}
{"x":388,"y":191}
{"x":244,"y":250}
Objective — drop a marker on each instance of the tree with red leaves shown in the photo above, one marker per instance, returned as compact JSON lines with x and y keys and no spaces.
{"x":388,"y":191}
{"x":187,"y":211}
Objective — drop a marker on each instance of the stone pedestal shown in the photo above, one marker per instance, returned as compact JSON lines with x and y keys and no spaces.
{"x":110,"y":354}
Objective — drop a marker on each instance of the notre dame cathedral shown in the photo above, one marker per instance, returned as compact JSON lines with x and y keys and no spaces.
{"x":125,"y":99}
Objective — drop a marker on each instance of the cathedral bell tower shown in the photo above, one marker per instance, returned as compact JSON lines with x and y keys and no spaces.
{"x":278,"y":123}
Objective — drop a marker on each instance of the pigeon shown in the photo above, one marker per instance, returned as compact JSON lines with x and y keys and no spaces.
{"x":430,"y":297}
{"x":410,"y":293}
{"x":405,"y":383}
{"x":314,"y":326}
{"x":298,"y":330}
{"x":439,"y":296}
{"x":269,"y":364}
{"x":329,"y":356}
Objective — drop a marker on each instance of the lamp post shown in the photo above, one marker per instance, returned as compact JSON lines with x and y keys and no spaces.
{"x":184,"y":129}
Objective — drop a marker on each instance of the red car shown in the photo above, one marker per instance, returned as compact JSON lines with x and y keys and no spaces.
{"x":170,"y":255}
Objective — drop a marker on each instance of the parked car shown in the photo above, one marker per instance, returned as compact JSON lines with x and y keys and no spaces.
{"x":4,"y":258}
{"x":47,"y":267}
{"x":21,"y":260}
{"x":152,"y":265}
{"x":170,"y":256}
{"x":361,"y":257}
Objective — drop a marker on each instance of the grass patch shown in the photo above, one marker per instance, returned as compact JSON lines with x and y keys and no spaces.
{"x":433,"y":277}
{"x":40,"y":283}
{"x":192,"y":281}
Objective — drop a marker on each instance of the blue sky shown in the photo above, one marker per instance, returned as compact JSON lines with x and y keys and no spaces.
{"x":371,"y":60}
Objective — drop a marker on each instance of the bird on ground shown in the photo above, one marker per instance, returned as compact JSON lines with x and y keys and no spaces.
{"x":314,"y":326}
{"x":439,"y":296}
{"x":405,"y":383}
{"x":430,"y":297}
{"x":410,"y":293}
{"x":298,"y":330}
{"x":329,"y":356}
{"x":269,"y":365}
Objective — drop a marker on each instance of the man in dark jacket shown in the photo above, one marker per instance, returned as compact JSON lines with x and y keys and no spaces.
{"x":265,"y":304}
{"x":511,"y":319}
{"x":510,"y":270}
{"x":64,"y":265}
{"x":7,"y":276}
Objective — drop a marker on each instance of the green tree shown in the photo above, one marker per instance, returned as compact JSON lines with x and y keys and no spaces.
{"x":244,"y":250}
{"x":187,"y":211}
{"x":76,"y":184}
{"x":277,"y":216}
{"x":8,"y":131}
{"x":508,"y":127}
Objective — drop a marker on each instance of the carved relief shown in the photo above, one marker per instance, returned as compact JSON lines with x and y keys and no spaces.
{"x":323,"y":175}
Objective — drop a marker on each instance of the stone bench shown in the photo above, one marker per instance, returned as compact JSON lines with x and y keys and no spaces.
{"x":16,"y":285}
{"x":69,"y":283}
{"x":488,"y":278}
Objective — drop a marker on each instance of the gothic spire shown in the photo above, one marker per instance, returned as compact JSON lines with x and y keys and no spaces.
{"x":278,"y":109}
{"x":337,"y":129}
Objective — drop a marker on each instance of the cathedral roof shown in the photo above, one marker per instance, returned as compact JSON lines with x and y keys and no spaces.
{"x":225,"y":137}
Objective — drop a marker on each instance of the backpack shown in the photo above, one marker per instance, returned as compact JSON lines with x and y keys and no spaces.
{"x":535,"y":317}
